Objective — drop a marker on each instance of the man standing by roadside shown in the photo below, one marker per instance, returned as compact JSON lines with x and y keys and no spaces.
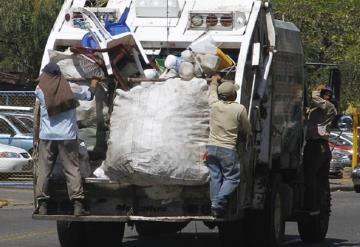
{"x":228,"y":124}
{"x":59,"y":135}
{"x":317,"y":154}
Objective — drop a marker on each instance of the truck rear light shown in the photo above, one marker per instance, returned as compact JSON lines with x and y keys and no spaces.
{"x":222,"y":21}
{"x":67,"y":17}
{"x":211,"y":20}
{"x":197,"y":20}
{"x":226,"y":20}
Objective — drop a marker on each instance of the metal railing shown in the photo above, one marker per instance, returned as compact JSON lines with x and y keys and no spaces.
{"x":16,"y":135}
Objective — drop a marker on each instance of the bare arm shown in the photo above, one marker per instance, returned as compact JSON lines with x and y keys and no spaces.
{"x":325,"y":105}
{"x":213,"y":96}
{"x":317,"y":101}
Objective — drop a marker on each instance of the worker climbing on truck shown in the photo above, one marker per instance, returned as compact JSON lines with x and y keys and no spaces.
{"x":227,"y":119}
{"x":59,"y":135}
{"x":317,"y":154}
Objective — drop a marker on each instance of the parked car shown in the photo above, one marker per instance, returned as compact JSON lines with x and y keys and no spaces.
{"x":339,"y":140}
{"x":340,"y":159}
{"x":14,"y":161}
{"x":15,"y":133}
{"x":345,"y":123}
{"x":26,"y":119}
{"x":355,"y":175}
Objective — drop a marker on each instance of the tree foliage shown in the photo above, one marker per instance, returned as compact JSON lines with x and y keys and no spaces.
{"x":24,"y":28}
{"x":331,"y":34}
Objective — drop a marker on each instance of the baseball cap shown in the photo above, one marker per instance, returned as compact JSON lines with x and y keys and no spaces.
{"x":52,"y":69}
{"x":326,"y":90}
{"x":227,"y":88}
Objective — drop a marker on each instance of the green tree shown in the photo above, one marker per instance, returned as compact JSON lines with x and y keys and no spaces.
{"x":24,"y":28}
{"x":331,"y":34}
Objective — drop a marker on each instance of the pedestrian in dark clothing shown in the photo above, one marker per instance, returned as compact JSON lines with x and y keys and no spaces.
{"x":317,"y":154}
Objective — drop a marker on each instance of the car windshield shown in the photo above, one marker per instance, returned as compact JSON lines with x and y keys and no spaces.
{"x":339,"y":140}
{"x":27,"y":121}
{"x":349,"y":137}
{"x":19,"y":125}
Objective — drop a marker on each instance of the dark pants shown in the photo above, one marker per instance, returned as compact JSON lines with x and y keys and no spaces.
{"x":68,"y":152}
{"x":224,"y":168}
{"x":317,"y":157}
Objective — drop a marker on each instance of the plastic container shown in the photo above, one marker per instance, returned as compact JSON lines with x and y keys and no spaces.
{"x":205,"y":44}
{"x":187,"y":56}
{"x":151,"y":73}
{"x":88,"y":41}
{"x":209,"y":61}
{"x":186,"y":71}
{"x":225,"y":61}
{"x":113,"y":28}
{"x":173,"y":62}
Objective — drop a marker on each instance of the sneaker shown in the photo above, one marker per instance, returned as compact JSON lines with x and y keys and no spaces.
{"x":79,"y":208}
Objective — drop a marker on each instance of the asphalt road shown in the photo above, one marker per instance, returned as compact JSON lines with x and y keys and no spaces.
{"x":18,"y":229}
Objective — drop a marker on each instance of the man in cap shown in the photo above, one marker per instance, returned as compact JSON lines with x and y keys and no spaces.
{"x":228,"y":125}
{"x":317,"y":154}
{"x":59,"y":135}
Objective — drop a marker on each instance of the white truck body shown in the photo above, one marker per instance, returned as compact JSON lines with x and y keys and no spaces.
{"x":269,"y":63}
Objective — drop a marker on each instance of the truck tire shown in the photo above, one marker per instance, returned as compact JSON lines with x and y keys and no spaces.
{"x":151,"y":228}
{"x":110,"y":232}
{"x":70,"y":233}
{"x":313,"y":229}
{"x":269,"y":222}
{"x":90,"y":234}
{"x":231,"y":234}
{"x":357,"y":188}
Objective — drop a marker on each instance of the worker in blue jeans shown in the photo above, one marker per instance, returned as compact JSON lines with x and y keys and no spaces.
{"x":228,"y":125}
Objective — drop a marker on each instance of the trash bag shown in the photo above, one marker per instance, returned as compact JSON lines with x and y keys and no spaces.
{"x":75,"y":66}
{"x":158,"y":134}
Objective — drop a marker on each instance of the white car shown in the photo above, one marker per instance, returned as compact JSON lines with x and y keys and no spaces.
{"x":14,"y":160}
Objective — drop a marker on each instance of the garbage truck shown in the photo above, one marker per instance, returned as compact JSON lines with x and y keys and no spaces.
{"x":124,"y":40}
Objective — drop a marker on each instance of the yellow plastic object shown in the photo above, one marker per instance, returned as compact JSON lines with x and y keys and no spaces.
{"x":225,"y":61}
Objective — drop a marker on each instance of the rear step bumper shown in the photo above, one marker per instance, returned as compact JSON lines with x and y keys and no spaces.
{"x":130,"y":218}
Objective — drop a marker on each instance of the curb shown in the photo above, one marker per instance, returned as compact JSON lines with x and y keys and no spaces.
{"x":341,"y":188}
{"x":3,"y":203}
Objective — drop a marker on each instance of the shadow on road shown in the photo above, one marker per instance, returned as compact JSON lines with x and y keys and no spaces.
{"x":211,"y":240}
{"x":295,"y":241}
{"x":177,"y":240}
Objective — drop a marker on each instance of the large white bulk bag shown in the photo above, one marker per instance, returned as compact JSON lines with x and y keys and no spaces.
{"x":158,"y":134}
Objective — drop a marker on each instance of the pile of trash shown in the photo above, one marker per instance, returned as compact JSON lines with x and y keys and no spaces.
{"x":159,"y":126}
{"x":201,"y":59}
